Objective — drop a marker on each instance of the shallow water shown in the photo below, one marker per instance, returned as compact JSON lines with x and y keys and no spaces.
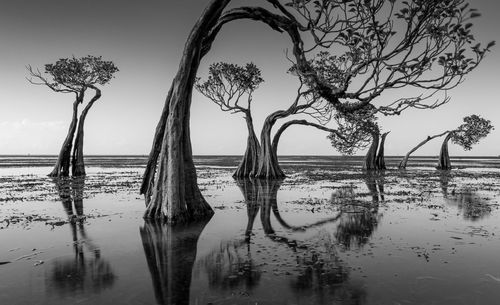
{"x":328,"y":234}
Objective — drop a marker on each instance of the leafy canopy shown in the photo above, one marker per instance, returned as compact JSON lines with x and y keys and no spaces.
{"x":227,"y":83}
{"x":75,"y":74}
{"x":357,"y":129}
{"x":471,"y":131}
{"x":369,"y":46}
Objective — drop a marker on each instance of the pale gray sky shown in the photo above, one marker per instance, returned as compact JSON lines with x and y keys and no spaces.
{"x":145,"y":40}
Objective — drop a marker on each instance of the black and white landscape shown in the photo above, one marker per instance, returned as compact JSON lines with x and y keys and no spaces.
{"x":249,"y":152}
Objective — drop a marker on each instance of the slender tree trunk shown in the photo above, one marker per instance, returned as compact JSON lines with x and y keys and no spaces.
{"x":170,"y":253}
{"x":78,"y":164}
{"x":370,"y":162}
{"x":380,"y":156}
{"x":249,"y":164}
{"x":444,"y":156}
{"x":174,"y":194}
{"x":404,"y":161}
{"x":61,"y":169}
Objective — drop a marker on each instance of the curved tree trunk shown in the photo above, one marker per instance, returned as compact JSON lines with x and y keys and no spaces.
{"x":370,"y":161}
{"x":404,"y":161}
{"x":77,"y":162}
{"x":444,"y":156}
{"x":380,"y":161}
{"x":249,"y":164}
{"x":61,"y":169}
{"x":151,"y":167}
{"x":173,"y":194}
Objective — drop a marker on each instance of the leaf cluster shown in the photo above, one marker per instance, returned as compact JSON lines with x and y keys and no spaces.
{"x":355,"y":130}
{"x":471,"y":131}
{"x":74,"y":75}
{"x":227,"y":83}
{"x":374,"y":45}
{"x":79,"y":73}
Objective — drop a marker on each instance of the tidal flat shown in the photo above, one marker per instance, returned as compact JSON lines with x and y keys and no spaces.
{"x":327,"y":234}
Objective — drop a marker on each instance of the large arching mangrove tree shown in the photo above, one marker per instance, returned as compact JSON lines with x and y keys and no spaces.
{"x":423,"y":45}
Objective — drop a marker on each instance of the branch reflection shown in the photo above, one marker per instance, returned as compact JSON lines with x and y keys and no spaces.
{"x":468,"y":200}
{"x":359,"y":218}
{"x":79,"y":274}
{"x":311,"y":270}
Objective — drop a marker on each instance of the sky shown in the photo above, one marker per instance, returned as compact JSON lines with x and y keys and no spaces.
{"x":145,"y":39}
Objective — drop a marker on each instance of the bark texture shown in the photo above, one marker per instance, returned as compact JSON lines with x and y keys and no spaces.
{"x":444,"y":162}
{"x":77,"y":162}
{"x":380,"y":161}
{"x":268,"y":167}
{"x":404,"y":161}
{"x":370,"y":161}
{"x":170,"y":182}
{"x":250,"y":161}
{"x":61,"y":168}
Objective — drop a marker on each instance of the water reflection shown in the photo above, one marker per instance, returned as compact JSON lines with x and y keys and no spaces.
{"x":303,"y":271}
{"x":444,"y":181}
{"x":80,"y":273}
{"x":170,"y":253}
{"x":261,"y":195}
{"x":468,"y":201}
{"x":359,"y":219}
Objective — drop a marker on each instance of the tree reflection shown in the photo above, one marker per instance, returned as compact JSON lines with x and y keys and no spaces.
{"x":170,"y":253}
{"x":79,"y":274}
{"x":312,"y":269}
{"x":469,"y":202}
{"x":444,"y":181}
{"x":359,"y":219}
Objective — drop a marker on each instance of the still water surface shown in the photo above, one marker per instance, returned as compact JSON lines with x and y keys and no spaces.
{"x":328,"y":234}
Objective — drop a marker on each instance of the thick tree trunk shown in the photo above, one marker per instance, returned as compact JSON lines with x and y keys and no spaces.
{"x":151,"y":167}
{"x":381,"y":156}
{"x":444,"y":156}
{"x":61,"y":169}
{"x":269,"y":167}
{"x":174,"y":194}
{"x":370,"y":161}
{"x":249,"y":164}
{"x":170,"y":253}
{"x":404,"y":161}
{"x":78,"y":164}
